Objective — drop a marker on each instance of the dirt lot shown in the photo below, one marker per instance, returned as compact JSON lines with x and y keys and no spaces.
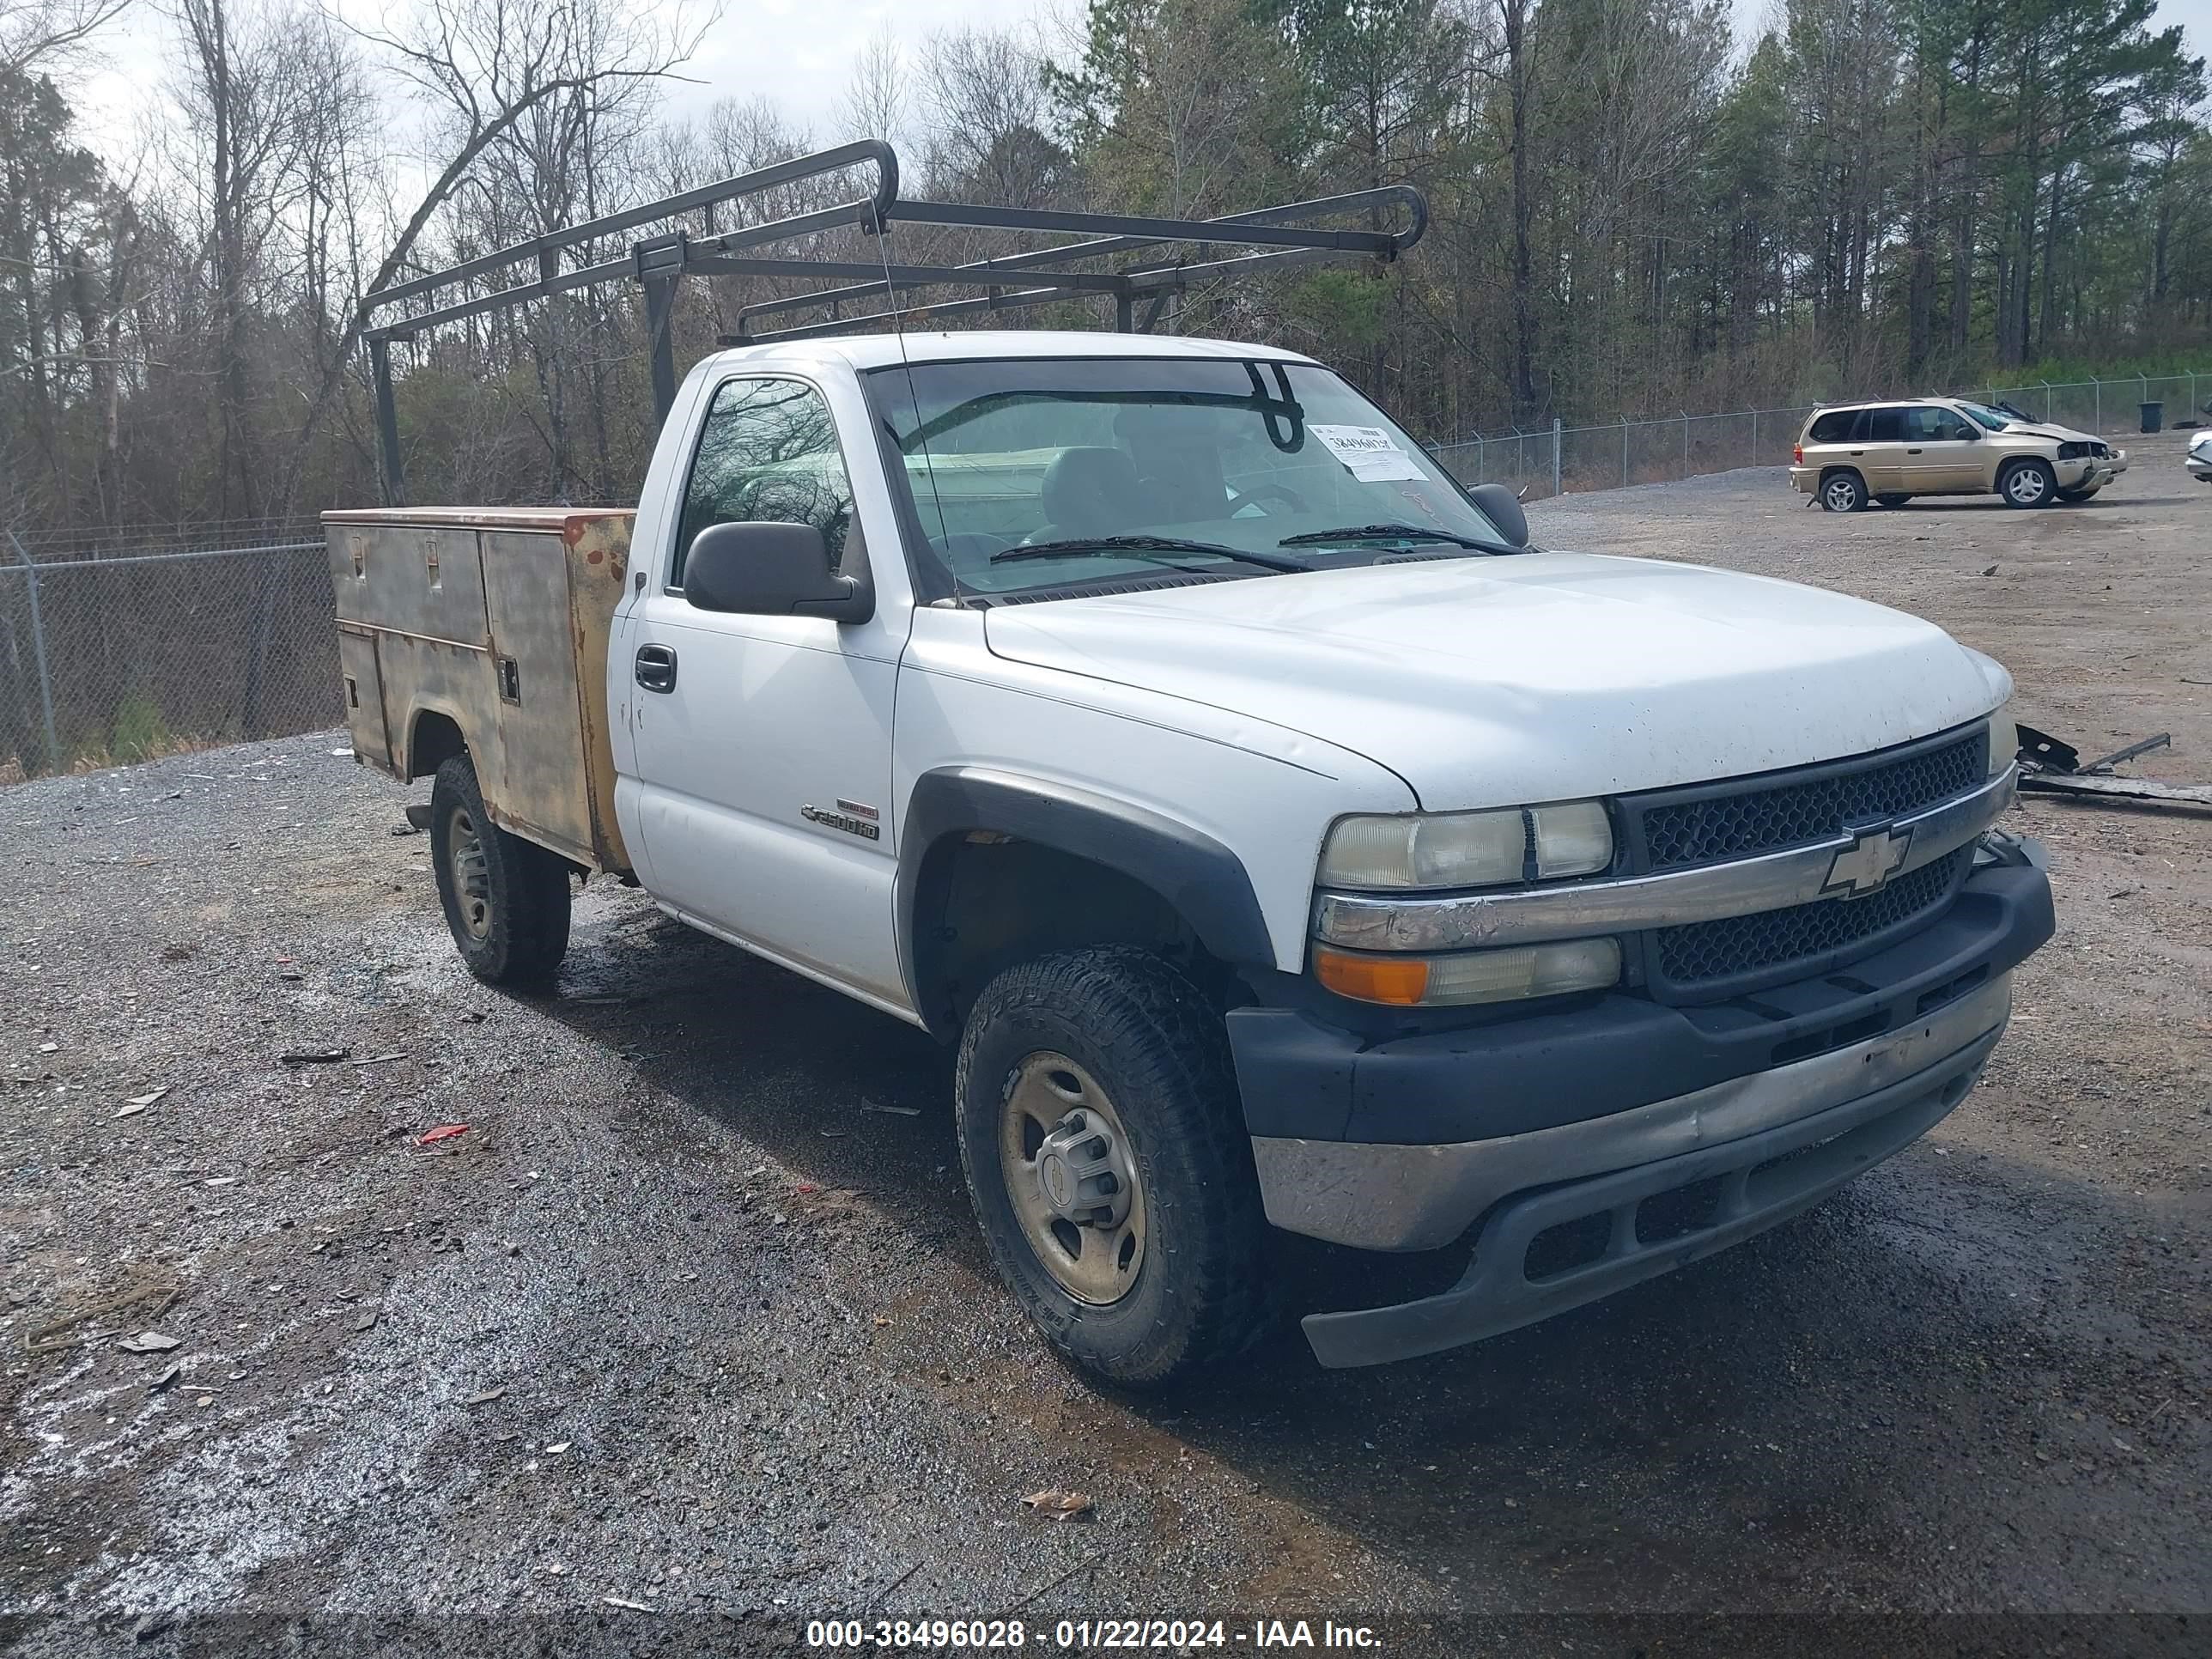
{"x":695,"y":1317}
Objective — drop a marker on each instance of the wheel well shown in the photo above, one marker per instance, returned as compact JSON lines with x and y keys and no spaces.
{"x":985,"y":902}
{"x":435,"y":739}
{"x":1829,"y":472}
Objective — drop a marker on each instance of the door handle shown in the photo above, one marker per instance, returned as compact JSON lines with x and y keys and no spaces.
{"x":1912,"y":452}
{"x":656,"y":667}
{"x":1858,"y":452}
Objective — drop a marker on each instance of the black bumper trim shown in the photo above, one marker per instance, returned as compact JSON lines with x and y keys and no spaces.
{"x":1302,"y":1080}
{"x":1497,"y":1295}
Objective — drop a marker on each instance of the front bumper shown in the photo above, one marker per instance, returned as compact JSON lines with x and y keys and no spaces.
{"x":1577,"y":1118}
{"x":2200,"y":471}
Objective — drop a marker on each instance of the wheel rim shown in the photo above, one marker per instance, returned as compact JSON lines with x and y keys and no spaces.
{"x":1066,"y":1159}
{"x":1840,"y":495}
{"x":2024,"y":485}
{"x":471,"y":877}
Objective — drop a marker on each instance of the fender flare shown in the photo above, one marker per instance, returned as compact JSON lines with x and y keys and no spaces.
{"x":1200,"y":878}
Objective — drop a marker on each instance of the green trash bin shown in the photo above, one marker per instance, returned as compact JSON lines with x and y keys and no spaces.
{"x":2154,"y":416}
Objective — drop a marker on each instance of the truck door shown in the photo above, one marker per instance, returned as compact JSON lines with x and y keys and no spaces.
{"x":1882,"y":465}
{"x":762,"y":746}
{"x":1942,"y":456}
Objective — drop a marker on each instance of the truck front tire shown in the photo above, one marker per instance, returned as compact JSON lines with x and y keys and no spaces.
{"x":1105,"y":1151}
{"x":505,"y":899}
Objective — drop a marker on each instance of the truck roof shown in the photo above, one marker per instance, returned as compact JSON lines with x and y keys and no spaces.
{"x":866,"y":351}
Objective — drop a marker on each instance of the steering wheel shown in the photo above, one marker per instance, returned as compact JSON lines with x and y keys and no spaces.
{"x":1252,"y":497}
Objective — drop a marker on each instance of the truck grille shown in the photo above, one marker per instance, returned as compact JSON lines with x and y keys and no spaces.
{"x":1702,"y":956}
{"x":1712,"y":822}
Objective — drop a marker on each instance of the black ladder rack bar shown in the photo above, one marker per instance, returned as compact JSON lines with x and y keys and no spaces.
{"x":1283,"y":234}
{"x":1385,"y":244}
{"x":1157,"y":282}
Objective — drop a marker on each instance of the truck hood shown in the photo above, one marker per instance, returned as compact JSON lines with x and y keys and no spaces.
{"x":1488,"y":681}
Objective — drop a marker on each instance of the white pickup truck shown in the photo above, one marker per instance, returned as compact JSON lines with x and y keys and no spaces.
{"x":1284,"y":842}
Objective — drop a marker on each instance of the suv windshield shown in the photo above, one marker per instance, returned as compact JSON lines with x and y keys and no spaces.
{"x":1982,"y":415}
{"x":1037,"y":473}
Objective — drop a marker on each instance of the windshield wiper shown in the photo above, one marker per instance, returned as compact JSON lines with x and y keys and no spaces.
{"x":1392,"y":533}
{"x":1108,"y":546}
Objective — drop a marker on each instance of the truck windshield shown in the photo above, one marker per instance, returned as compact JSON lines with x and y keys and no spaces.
{"x":1982,"y":415}
{"x":1120,"y":467}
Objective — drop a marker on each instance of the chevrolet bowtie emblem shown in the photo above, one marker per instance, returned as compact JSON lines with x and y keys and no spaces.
{"x":1870,"y":860}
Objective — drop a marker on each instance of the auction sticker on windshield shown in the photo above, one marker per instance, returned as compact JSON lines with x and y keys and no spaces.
{"x":1371,"y":453}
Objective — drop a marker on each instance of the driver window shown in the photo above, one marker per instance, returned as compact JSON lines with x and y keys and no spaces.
{"x":767,"y":451}
{"x":1926,"y":425}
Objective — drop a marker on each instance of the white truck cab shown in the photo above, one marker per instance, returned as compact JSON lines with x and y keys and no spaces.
{"x":1284,"y":842}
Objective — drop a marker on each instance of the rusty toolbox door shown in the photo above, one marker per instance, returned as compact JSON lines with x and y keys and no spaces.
{"x":535,"y":783}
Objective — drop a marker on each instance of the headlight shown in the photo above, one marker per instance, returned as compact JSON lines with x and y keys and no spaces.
{"x":1468,"y":849}
{"x":2004,"y":740}
{"x":1533,"y":971}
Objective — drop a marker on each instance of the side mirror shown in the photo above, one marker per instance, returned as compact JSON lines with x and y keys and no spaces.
{"x":769,"y":569}
{"x":1501,"y":507}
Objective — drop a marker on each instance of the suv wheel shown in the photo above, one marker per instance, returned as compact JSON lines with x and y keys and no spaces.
{"x":505,"y":899}
{"x":1106,"y":1155}
{"x":2028,"y":483}
{"x":1842,"y":491}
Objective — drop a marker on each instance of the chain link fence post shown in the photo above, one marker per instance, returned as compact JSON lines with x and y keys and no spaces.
{"x":1623,"y":451}
{"x":1754,"y":437}
{"x":1555,"y":454}
{"x":1685,"y":443}
{"x":2098,"y":387}
{"x":38,"y":653}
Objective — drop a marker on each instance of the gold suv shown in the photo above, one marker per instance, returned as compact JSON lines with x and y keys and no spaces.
{"x":1851,"y":454}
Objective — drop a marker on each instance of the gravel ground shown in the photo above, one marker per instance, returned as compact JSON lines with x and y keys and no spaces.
{"x":694,"y":1317}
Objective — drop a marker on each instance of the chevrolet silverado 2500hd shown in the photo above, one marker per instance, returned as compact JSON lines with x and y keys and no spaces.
{"x":1283,"y":840}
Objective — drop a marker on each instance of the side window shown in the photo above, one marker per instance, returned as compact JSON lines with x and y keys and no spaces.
{"x":1833,"y":427}
{"x":1885,"y":426}
{"x":1925,"y":425}
{"x":1950,"y":425}
{"x":767,"y":451}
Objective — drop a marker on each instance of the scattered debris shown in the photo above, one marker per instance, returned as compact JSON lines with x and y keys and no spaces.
{"x":2053,"y":766}
{"x":48,"y":1338}
{"x":894,"y":1111}
{"x":165,"y":1380}
{"x":404,"y":829}
{"x":49,"y":1047}
{"x":1990,"y":571}
{"x":150,"y":1342}
{"x":151,"y":1624}
{"x":138,"y":1103}
{"x":624,"y":1601}
{"x":557,"y":1448}
{"x":486,"y":1397}
{"x":378,"y":1059}
{"x":367,"y":1321}
{"x":314,"y":1056}
{"x":443,"y":1131}
{"x":1061,"y":1505}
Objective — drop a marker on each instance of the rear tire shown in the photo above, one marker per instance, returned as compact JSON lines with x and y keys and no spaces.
{"x":505,"y":899}
{"x":1134,"y":1239}
{"x":1892,"y":498}
{"x":1842,"y":491}
{"x":2028,"y":483}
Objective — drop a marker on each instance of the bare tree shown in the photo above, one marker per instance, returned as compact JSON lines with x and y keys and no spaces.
{"x":42,"y":33}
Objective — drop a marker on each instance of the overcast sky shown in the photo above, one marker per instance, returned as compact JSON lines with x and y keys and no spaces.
{"x":799,"y":53}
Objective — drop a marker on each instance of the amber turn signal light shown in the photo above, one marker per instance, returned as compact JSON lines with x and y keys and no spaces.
{"x":1400,"y":981}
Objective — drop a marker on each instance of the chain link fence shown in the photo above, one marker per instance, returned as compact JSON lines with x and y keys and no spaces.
{"x":1558,"y":459}
{"x":110,"y":658}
